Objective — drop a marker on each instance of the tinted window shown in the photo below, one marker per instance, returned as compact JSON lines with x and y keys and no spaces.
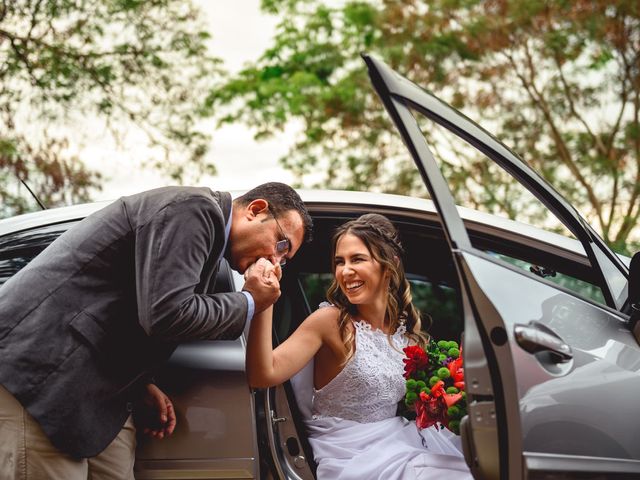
{"x":9,"y":267}
{"x":567,"y":281}
{"x":18,"y":249}
{"x":478,"y":182}
{"x":438,"y":303}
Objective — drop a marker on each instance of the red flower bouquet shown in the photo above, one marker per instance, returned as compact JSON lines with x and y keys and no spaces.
{"x":435,"y":385}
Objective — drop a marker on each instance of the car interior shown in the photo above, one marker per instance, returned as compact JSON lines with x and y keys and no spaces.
{"x":431,"y":272}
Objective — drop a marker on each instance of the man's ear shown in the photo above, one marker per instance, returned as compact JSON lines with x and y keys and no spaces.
{"x":256,"y":207}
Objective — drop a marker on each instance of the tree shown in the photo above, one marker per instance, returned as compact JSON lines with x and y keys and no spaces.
{"x":124,"y":64}
{"x":558,"y":81}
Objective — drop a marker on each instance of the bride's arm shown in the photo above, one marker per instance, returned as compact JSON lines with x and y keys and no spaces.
{"x":267,"y":367}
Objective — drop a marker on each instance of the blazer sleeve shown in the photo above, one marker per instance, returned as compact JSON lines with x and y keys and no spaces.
{"x":171,"y":250}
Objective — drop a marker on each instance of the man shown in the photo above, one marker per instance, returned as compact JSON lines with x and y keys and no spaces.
{"x":86,"y":321}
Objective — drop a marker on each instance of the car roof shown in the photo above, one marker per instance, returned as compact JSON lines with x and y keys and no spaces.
{"x":332,"y":201}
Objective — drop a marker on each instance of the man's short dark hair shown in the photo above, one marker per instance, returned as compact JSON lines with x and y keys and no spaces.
{"x":281,"y":198}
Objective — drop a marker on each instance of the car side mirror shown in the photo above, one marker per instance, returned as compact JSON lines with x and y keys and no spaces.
{"x":634,"y":296}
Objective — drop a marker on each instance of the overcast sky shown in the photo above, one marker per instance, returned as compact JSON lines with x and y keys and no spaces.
{"x":240,"y":33}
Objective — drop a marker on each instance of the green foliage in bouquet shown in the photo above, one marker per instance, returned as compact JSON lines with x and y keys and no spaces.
{"x":435,"y":384}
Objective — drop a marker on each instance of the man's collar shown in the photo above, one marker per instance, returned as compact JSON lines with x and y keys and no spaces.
{"x":227,"y":232}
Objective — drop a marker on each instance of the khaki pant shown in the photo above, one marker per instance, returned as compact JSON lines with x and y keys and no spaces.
{"x":27,"y":454}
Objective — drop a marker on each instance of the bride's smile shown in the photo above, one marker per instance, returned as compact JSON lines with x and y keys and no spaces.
{"x":358,"y":273}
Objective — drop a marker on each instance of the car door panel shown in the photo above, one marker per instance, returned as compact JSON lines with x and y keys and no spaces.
{"x":215,"y":435}
{"x":544,"y":396}
{"x":555,"y":411}
{"x":552,"y":392}
{"x":215,"y":431}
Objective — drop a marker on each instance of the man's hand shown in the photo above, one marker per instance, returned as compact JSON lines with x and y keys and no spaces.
{"x":161,"y":418}
{"x":262,"y":280}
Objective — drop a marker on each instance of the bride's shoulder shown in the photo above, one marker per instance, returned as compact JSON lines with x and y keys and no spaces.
{"x":327,"y":306}
{"x":324,"y":315}
{"x":326,"y":309}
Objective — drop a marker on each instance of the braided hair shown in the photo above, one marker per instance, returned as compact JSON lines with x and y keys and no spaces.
{"x":382,"y":240}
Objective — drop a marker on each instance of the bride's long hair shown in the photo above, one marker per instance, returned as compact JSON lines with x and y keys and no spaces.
{"x":382,"y":240}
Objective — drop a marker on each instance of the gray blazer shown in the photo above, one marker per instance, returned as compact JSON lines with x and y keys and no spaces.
{"x":88,"y":318}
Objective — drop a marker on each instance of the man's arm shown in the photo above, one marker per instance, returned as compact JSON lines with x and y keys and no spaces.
{"x":171,"y":251}
{"x":155,"y":415}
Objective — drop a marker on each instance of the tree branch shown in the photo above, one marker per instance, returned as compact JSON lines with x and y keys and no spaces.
{"x":631,"y":218}
{"x":612,"y":209}
{"x":565,"y":155}
{"x":34,"y":22}
{"x":629,"y":67}
{"x":634,"y":201}
{"x":610,"y":147}
{"x":572,"y":108}
{"x":20,"y":54}
{"x":75,"y":54}
{"x":3,"y":10}
{"x":626,"y":68}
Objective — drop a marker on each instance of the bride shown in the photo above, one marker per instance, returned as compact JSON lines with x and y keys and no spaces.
{"x":356,"y":346}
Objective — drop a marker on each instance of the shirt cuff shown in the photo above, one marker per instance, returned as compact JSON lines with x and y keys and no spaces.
{"x":251,"y":305}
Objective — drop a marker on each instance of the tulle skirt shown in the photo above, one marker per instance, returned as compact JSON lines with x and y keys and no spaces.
{"x":391,"y":449}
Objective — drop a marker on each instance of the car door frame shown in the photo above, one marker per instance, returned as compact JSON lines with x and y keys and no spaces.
{"x":396,"y":91}
{"x":499,"y":443}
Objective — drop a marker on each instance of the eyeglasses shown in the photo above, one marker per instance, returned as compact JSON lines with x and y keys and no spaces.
{"x":282,"y":246}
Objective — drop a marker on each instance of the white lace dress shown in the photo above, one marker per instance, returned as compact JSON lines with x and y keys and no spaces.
{"x":353,"y":427}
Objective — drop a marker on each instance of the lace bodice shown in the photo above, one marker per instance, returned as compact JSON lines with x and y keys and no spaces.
{"x":371,"y":384}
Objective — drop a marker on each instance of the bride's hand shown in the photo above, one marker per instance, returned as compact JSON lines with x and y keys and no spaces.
{"x":271,"y":269}
{"x":262,"y":281}
{"x":267,"y":268}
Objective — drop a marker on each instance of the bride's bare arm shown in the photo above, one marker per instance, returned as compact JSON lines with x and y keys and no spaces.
{"x":267,"y":367}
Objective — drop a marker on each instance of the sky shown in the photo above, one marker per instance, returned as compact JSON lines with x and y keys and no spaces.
{"x":240,"y":32}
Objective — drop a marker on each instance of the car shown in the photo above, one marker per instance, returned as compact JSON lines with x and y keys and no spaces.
{"x":551,"y":361}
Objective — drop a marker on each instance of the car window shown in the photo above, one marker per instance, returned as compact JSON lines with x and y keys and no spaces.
{"x":18,"y":249}
{"x":572,"y":283}
{"x":438,"y":303}
{"x":440,"y":307}
{"x":10,"y":266}
{"x":478,"y":182}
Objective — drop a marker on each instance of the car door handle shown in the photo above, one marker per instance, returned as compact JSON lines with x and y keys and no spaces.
{"x":537,"y":338}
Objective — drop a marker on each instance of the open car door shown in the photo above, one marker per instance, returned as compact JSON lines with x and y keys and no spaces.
{"x":542,"y":364}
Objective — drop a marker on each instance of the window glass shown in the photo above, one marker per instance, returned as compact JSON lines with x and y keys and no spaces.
{"x":477,"y":182}
{"x":18,"y":249}
{"x":438,"y":303}
{"x":440,"y":308}
{"x":315,"y":286}
{"x":574,"y":284}
{"x":10,"y":266}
